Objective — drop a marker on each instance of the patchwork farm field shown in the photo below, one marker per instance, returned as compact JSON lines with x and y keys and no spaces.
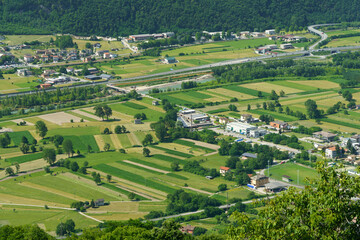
{"x":14,"y":83}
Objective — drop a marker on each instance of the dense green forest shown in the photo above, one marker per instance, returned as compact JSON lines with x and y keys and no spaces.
{"x":122,"y":17}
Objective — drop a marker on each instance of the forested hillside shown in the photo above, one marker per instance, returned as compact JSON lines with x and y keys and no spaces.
{"x":122,"y":17}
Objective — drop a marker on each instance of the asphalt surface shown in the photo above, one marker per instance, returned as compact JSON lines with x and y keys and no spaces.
{"x":323,"y":35}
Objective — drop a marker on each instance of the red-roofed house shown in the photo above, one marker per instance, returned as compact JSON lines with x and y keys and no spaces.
{"x":331,"y":152}
{"x":224,"y":170}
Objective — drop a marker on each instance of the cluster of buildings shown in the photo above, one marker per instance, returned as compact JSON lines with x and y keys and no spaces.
{"x":190,"y":118}
{"x":106,"y":54}
{"x":55,"y":56}
{"x":142,"y":37}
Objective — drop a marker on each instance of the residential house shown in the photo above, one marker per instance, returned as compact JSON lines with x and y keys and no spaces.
{"x":331,"y":152}
{"x":259,"y":180}
{"x":28,"y":58}
{"x":257,"y":34}
{"x":99,"y":202}
{"x":187,"y":229}
{"x":23,"y":72}
{"x":101,"y":53}
{"x":355,"y":138}
{"x":56,"y":58}
{"x":70,"y":70}
{"x":270,"y":32}
{"x":286,"y":46}
{"x":275,"y":187}
{"x":223,"y":120}
{"x":246,"y":118}
{"x":137,"y":121}
{"x":246,"y":155}
{"x":44,"y":58}
{"x":170,"y":60}
{"x":326,"y":136}
{"x":97,"y":45}
{"x":86,"y":59}
{"x":279,"y":125}
{"x":224,"y":170}
{"x":45,"y":85}
{"x":106,"y":55}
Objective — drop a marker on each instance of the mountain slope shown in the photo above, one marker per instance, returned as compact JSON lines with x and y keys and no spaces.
{"x":121,"y":17}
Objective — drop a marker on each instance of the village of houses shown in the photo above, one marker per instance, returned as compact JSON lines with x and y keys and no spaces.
{"x":53,"y":57}
{"x":250,"y":130}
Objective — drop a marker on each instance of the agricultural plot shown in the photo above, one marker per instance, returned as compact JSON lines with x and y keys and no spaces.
{"x":276,"y":115}
{"x":229,"y":93}
{"x":47,"y":219}
{"x":14,"y":83}
{"x":322,"y":84}
{"x":25,"y":158}
{"x":241,"y":89}
{"x":17,"y":136}
{"x":268,"y":87}
{"x":60,"y":118}
{"x":294,"y":85}
{"x":124,"y":108}
{"x":195,"y":146}
{"x":174,"y":152}
{"x":20,"y":39}
{"x":82,"y":142}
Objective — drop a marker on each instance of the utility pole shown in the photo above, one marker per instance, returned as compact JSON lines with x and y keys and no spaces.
{"x":298,"y":176}
{"x":268,"y":167}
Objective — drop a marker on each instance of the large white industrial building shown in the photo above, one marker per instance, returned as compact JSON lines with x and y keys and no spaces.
{"x":238,"y":127}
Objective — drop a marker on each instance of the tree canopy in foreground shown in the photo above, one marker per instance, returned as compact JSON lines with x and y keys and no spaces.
{"x":325,"y":210}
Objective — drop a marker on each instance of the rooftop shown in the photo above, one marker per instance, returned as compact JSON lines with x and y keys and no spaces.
{"x":225,"y":168}
{"x":274,"y":185}
{"x":325,"y":134}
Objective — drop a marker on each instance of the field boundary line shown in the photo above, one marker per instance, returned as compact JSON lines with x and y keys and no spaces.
{"x":97,"y":220}
{"x":29,"y":205}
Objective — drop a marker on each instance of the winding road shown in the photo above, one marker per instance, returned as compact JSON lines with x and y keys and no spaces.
{"x":323,"y":35}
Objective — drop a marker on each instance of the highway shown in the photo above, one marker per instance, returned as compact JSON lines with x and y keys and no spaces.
{"x":296,"y":54}
{"x":323,"y":35}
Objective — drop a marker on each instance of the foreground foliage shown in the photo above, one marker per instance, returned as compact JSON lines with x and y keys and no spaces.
{"x":325,"y":211}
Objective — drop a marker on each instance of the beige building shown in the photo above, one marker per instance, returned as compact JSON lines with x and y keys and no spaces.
{"x":259,"y":180}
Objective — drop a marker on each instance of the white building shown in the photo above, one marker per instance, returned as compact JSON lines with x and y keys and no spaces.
{"x":270,"y":32}
{"x":238,"y":127}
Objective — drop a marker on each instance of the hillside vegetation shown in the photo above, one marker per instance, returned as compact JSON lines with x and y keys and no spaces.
{"x":121,"y":17}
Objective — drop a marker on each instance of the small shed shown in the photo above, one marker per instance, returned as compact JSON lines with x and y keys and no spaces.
{"x":99,"y":202}
{"x":137,"y":121}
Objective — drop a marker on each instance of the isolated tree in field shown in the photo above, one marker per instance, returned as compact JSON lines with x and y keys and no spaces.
{"x":24,"y":140}
{"x":49,"y":155}
{"x":106,"y":147}
{"x":282,"y":93}
{"x":260,"y":94}
{"x":58,"y":140}
{"x":97,"y":178}
{"x":248,"y":107}
{"x":131,"y":196}
{"x":74,"y":166}
{"x":66,"y":228}
{"x":146,"y":152}
{"x":222,"y":187}
{"x":124,"y":130}
{"x":175,"y":166}
{"x":232,"y":107}
{"x":41,"y":128}
{"x":160,"y":131}
{"x":89,"y":148}
{"x":118,"y":129}
{"x":9,"y":171}
{"x":148,"y":139}
{"x":106,"y":131}
{"x":24,"y":148}
{"x":311,"y":108}
{"x":17,"y":166}
{"x":102,"y":111}
{"x":5,"y":140}
{"x":315,"y":212}
{"x":273,"y":95}
{"x":68,"y":147}
{"x":88,"y":45}
{"x":108,"y":178}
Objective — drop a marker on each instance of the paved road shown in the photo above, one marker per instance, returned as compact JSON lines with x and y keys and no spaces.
{"x":323,"y":35}
{"x":199,"y":211}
